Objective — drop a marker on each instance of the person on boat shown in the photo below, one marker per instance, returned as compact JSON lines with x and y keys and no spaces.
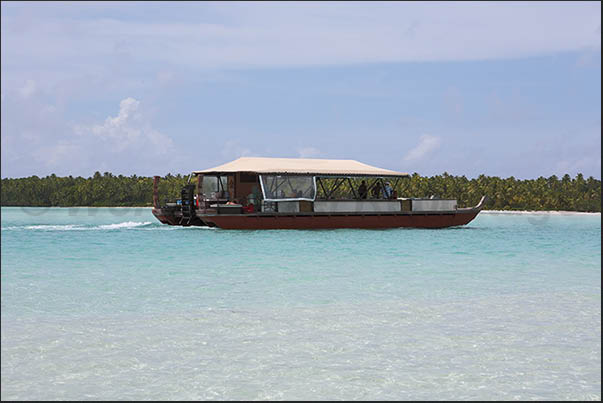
{"x":387,"y":191}
{"x":231,"y":202}
{"x":376,"y":192}
{"x":250,"y":207}
{"x":362,"y":191}
{"x":248,"y":203}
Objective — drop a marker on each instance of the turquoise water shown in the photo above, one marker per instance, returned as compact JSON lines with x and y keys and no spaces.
{"x":106,"y":303}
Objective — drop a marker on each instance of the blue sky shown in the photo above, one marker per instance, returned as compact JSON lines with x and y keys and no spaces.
{"x":505,"y":89}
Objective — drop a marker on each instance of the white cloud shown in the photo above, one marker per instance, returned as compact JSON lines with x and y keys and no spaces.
{"x":427,"y":144}
{"x":28,"y":89}
{"x":125,"y":143}
{"x":127,"y":130}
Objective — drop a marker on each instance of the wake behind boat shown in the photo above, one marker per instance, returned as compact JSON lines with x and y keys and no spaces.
{"x":299,"y":193}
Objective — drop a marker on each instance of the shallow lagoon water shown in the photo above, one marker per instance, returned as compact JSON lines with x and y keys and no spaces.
{"x":106,"y":303}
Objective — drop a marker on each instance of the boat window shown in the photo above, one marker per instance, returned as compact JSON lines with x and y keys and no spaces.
{"x":223,"y":183}
{"x":212,"y":187}
{"x":288,"y":187}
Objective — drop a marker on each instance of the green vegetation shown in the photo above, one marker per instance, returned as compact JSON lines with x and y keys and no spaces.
{"x":577,"y":194}
{"x":551,"y":193}
{"x":104,"y":190}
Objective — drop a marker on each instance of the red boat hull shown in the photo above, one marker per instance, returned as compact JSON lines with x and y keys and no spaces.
{"x":166,"y":217}
{"x":431,"y":219}
{"x":338,"y":221}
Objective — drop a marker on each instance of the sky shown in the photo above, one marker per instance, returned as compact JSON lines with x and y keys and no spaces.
{"x":495,"y":88}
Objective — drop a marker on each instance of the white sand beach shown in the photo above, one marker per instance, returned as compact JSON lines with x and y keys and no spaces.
{"x":538,"y":212}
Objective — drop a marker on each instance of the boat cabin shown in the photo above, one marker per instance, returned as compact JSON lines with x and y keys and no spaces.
{"x":300,"y":185}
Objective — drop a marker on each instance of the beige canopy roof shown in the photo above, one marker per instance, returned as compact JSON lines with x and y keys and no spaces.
{"x":300,"y":166}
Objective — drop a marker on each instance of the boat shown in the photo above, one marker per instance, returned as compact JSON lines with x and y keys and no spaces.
{"x":301,"y":193}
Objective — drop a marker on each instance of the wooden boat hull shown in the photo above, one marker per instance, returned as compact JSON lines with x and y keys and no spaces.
{"x":166,"y":217}
{"x":253,"y":221}
{"x":438,"y":220}
{"x":172,"y":217}
{"x":326,"y":221}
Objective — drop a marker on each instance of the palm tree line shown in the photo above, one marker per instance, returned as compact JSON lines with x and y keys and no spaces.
{"x":108,"y":190}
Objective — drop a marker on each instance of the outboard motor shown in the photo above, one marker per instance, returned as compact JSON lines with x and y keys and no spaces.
{"x":188,"y":204}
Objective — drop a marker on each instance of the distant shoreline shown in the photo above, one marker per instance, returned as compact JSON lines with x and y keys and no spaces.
{"x":560,"y":212}
{"x":80,"y":206}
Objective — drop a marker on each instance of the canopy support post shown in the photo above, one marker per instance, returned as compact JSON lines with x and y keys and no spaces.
{"x":199,"y":189}
{"x":156,"y":192}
